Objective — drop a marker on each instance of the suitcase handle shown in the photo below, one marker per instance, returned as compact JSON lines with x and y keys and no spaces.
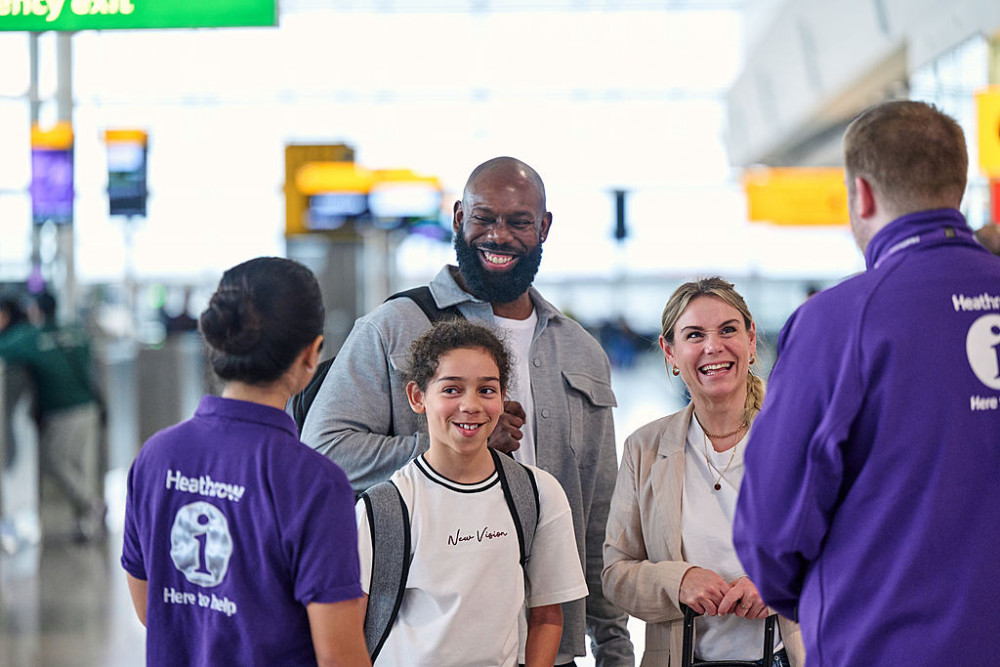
{"x":687,"y":655}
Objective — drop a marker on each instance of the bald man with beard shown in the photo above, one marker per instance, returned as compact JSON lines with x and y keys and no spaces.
{"x":559,"y":417}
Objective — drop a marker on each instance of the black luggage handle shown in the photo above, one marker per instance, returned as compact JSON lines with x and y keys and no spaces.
{"x":687,"y":655}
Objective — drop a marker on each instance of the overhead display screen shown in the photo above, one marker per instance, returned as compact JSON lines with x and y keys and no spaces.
{"x":52,"y":174}
{"x":332,"y":210}
{"x":52,"y":185}
{"x":40,"y":15}
{"x":404,"y":200}
{"x":126,"y":172}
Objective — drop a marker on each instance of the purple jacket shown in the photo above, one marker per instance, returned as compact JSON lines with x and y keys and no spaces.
{"x":870,"y":505}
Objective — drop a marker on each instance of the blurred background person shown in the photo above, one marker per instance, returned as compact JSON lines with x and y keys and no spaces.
{"x":989,"y":236}
{"x":69,"y":407}
{"x":669,"y":531}
{"x":11,"y":313}
{"x":180,"y":320}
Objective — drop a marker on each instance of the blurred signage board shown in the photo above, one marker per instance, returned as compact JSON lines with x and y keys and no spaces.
{"x":315,"y":178}
{"x":298,"y":156}
{"x":405,"y":201}
{"x":126,"y":171}
{"x":52,"y":174}
{"x":326,"y":191}
{"x":337,"y":192}
{"x":41,"y":15}
{"x":796,"y":195}
{"x":988,"y":117}
{"x":399,"y":197}
{"x":332,"y":210}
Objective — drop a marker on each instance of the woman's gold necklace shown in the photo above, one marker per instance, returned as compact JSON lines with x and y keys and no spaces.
{"x":704,"y":442}
{"x":724,"y":435}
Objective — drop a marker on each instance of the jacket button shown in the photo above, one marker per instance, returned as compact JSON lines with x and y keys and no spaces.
{"x":545,"y":413}
{"x":537,"y":362}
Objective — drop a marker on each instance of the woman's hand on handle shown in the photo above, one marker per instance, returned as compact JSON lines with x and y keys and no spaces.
{"x":703,"y":590}
{"x":743,"y":600}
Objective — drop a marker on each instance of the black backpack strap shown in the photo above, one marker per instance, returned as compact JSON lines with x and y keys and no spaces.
{"x":388,"y":520}
{"x":305,"y":398}
{"x":422,"y":297}
{"x":521,"y":493}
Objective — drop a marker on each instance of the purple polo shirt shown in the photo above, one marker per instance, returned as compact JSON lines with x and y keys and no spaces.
{"x":237,"y":526}
{"x":870,"y":504}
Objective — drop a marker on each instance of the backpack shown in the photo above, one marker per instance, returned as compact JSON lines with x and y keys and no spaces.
{"x":389,"y":521}
{"x":301,"y":402}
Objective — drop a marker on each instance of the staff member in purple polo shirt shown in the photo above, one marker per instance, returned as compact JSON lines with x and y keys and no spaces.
{"x":869,"y":505}
{"x":240,"y":542}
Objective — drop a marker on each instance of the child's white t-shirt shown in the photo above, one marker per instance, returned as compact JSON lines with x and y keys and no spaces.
{"x":466,"y":590}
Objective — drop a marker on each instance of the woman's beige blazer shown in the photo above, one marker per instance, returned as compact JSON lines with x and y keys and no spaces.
{"x":643,"y":566}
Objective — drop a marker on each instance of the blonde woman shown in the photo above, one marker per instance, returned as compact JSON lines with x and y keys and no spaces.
{"x":668,"y":539}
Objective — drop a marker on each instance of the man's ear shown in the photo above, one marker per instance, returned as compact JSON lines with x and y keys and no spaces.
{"x":415,"y":397}
{"x":864,"y":197}
{"x":543,"y":233}
{"x":457,"y":217}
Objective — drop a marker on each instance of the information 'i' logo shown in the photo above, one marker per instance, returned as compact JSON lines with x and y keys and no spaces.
{"x":982,"y":345}
{"x":200,"y":543}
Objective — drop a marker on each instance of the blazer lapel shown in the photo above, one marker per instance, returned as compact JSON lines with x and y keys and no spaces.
{"x":666,"y":481}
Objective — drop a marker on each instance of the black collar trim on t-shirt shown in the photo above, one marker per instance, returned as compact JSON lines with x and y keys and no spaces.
{"x":436,"y":477}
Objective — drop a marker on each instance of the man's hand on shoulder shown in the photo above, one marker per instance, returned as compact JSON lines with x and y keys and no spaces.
{"x":506,"y":437}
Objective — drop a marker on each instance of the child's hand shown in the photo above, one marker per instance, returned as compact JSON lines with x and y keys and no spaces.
{"x":506,"y":437}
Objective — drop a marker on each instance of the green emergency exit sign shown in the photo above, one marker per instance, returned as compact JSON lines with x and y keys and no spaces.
{"x":40,"y":15}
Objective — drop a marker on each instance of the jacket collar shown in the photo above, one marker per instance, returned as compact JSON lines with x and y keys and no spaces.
{"x":674,"y":437}
{"x":229,"y":408}
{"x":447,"y":292}
{"x":916,"y":228}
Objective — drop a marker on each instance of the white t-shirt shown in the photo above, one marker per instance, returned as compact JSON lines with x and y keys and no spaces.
{"x":466,"y":590}
{"x":518,"y":339}
{"x":707,"y":539}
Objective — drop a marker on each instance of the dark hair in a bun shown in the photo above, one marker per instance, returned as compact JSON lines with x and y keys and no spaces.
{"x":263,"y":314}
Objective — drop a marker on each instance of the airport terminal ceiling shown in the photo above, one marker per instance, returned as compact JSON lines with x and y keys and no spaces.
{"x":597,"y":96}
{"x":810,"y":66}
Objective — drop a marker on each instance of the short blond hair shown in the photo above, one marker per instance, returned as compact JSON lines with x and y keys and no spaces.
{"x":912,"y":153}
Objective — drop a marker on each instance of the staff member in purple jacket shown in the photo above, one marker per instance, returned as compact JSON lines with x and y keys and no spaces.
{"x":870,"y":505}
{"x":240,"y":542}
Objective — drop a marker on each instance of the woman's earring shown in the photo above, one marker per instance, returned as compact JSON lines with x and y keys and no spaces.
{"x":753,"y":359}
{"x":676,"y":371}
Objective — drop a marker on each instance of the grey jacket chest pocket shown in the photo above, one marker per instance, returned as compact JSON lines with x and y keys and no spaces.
{"x":590,"y":400}
{"x":404,"y":420}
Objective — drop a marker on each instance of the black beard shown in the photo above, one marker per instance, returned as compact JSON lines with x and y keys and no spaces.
{"x":502,"y":288}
